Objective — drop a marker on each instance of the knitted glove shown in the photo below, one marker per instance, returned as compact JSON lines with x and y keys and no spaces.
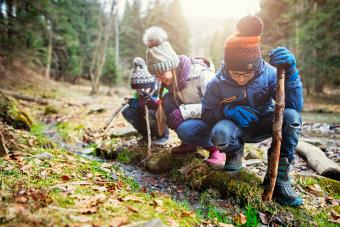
{"x":175,"y":119}
{"x":152,"y":102}
{"x":244,"y":116}
{"x":134,"y":103}
{"x":281,"y":56}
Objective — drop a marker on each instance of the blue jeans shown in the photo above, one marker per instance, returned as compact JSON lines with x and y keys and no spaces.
{"x":137,"y":119}
{"x":229,"y":137}
{"x":194,"y":131}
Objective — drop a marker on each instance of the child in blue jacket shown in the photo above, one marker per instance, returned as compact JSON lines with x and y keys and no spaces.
{"x":238,"y":104}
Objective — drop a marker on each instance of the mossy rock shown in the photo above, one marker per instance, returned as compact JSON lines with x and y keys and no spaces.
{"x":11,"y":115}
{"x":50,"y":110}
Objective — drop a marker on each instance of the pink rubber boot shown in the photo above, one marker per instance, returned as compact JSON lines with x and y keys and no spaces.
{"x":216,"y":159}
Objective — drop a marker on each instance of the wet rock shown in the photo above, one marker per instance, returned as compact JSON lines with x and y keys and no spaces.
{"x":161,"y":162}
{"x":44,"y":156}
{"x":50,"y":110}
{"x":253,"y":155}
{"x":97,"y":111}
{"x":127,"y":131}
{"x":253,"y":162}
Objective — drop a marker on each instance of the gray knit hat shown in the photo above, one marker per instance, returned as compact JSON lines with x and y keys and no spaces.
{"x":160,"y":57}
{"x":140,"y":77}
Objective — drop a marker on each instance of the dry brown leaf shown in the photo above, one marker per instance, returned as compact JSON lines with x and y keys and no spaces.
{"x":65,"y":178}
{"x":90,"y":210}
{"x":225,"y":225}
{"x":187,"y":213}
{"x":132,"y":209}
{"x":315,"y":189}
{"x":119,"y":221}
{"x":21,"y":199}
{"x":132,"y":198}
{"x":159,"y":210}
{"x":100,"y":189}
{"x":335,"y":217}
{"x":172,"y":223}
{"x":158,"y":202}
{"x":240,"y":219}
{"x":265,"y":218}
{"x":80,"y":218}
{"x":44,"y":173}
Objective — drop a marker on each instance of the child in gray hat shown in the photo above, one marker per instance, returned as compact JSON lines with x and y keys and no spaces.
{"x":185,"y":78}
{"x":146,"y":94}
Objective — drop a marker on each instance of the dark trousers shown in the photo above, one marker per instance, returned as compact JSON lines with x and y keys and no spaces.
{"x":136,"y":118}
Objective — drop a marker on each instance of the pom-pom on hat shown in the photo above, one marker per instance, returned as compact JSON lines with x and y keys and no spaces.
{"x":242,"y":48}
{"x":160,"y":57}
{"x":140,"y":77}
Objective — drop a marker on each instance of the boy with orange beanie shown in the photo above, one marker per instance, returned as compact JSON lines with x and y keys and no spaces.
{"x":238,"y":103}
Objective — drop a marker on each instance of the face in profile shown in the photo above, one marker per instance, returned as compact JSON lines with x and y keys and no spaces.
{"x":143,"y":90}
{"x":241,"y":77}
{"x":165,"y":77}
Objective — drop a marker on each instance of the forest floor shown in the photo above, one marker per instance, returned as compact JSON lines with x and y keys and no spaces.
{"x":56,"y":174}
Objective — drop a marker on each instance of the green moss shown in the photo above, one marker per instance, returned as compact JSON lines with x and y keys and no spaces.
{"x":10,"y":113}
{"x":67,"y":130}
{"x":126,"y":156}
{"x":50,"y":110}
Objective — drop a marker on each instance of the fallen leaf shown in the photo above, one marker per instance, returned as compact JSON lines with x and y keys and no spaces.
{"x":65,"y":178}
{"x":44,"y":173}
{"x":21,"y":199}
{"x":132,"y":209}
{"x":225,"y":225}
{"x":159,"y":210}
{"x":265,"y":218}
{"x":100,"y":189}
{"x":132,"y":198}
{"x":90,"y":210}
{"x":31,"y":142}
{"x":172,"y":223}
{"x":315,"y":189}
{"x":187,"y":213}
{"x":335,"y":217}
{"x":157,"y":202}
{"x":80,"y":218}
{"x":240,"y":219}
{"x":119,"y":221}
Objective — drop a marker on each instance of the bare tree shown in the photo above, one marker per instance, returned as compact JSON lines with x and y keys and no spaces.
{"x":99,"y":55}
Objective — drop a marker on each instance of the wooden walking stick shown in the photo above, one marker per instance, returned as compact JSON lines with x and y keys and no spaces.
{"x":148,"y":129}
{"x":274,"y":156}
{"x":124,"y":104}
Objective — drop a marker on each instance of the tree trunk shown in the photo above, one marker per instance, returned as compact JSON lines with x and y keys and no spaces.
{"x":317,"y":159}
{"x":10,"y":16}
{"x":273,"y":159}
{"x":1,"y":15}
{"x":49,"y":54}
{"x":101,"y":54}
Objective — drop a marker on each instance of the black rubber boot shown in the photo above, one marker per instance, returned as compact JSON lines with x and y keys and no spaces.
{"x":233,"y":160}
{"x":283,"y":191}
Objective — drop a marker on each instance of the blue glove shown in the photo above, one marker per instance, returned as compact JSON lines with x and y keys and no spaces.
{"x":242,"y":115}
{"x":134,"y":103}
{"x":281,"y":56}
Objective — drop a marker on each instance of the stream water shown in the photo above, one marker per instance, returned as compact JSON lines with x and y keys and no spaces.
{"x":327,"y":135}
{"x":150,"y":182}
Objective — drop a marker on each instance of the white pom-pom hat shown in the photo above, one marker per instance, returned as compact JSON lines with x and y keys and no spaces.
{"x":160,"y":57}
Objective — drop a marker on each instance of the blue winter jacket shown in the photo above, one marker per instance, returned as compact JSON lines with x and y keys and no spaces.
{"x":258,"y":93}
